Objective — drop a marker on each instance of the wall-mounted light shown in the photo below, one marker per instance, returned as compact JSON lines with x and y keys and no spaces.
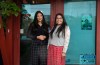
{"x":33,"y":1}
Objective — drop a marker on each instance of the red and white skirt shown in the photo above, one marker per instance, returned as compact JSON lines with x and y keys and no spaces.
{"x":55,"y":55}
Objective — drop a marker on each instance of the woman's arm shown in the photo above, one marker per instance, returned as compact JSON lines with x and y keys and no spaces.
{"x":46,"y":35}
{"x":67,"y":39}
{"x":30,"y":33}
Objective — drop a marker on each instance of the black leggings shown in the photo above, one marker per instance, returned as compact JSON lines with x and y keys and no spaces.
{"x":39,"y":55}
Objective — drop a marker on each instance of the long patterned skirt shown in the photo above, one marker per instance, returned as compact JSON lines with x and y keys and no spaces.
{"x":55,"y":55}
{"x":38,"y":55}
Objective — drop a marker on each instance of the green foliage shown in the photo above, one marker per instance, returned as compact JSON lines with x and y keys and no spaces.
{"x":8,"y":8}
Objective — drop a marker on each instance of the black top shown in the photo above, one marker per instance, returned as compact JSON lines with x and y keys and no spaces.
{"x":36,"y":30}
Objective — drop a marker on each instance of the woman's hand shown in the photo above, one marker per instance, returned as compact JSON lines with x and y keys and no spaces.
{"x":41,"y":37}
{"x":63,"y":54}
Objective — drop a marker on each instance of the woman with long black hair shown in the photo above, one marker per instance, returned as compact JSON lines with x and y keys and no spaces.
{"x":58,"y":41}
{"x":38,"y":32}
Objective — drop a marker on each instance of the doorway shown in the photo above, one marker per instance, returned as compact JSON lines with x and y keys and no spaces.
{"x":28,"y":12}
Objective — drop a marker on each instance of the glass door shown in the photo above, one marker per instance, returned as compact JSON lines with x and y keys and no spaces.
{"x":81,"y":18}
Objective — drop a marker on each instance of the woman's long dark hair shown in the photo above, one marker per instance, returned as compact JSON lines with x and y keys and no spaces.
{"x":35,"y":21}
{"x":61,"y":28}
